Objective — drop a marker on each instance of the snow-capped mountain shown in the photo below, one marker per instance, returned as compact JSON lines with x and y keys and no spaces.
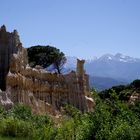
{"x":118,"y":57}
{"x":115,"y":66}
{"x":118,"y":67}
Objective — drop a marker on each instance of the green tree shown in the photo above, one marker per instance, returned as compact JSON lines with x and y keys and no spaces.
{"x":46,"y":56}
{"x":135,"y":84}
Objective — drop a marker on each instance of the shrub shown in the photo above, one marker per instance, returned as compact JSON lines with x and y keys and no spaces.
{"x":47,"y":132}
{"x":41,"y":120}
{"x":67,"y":130}
{"x":21,"y":111}
{"x":135,"y":84}
{"x":15,"y":128}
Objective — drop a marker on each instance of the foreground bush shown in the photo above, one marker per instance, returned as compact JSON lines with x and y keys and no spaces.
{"x":21,"y":111}
{"x":113,"y":119}
{"x":15,"y":128}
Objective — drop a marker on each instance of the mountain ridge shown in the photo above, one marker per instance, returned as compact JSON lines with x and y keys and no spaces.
{"x":118,"y":67}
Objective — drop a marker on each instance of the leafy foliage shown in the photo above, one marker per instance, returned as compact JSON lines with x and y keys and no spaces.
{"x":21,"y":111}
{"x":135,"y":84}
{"x":113,"y":119}
{"x":46,"y":56}
{"x":123,"y":92}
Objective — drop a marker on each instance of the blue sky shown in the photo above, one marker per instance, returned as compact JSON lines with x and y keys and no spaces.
{"x":82,"y":28}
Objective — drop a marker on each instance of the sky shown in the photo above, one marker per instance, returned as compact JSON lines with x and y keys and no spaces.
{"x":81,"y":28}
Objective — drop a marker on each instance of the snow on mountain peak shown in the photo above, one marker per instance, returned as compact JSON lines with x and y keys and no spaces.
{"x":109,"y":58}
{"x":117,"y":57}
{"x":106,"y":57}
{"x":72,"y":61}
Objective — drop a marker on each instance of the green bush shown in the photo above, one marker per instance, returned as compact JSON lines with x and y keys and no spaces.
{"x":15,"y":128}
{"x":41,"y":120}
{"x":21,"y":111}
{"x":135,"y":83}
{"x":67,"y":130}
{"x":47,"y":132}
{"x":113,"y":119}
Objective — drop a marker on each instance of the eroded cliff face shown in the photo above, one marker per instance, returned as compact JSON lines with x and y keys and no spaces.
{"x":8,"y":45}
{"x":43,"y":91}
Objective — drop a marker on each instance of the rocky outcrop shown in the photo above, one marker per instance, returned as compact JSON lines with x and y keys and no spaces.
{"x":135,"y":97}
{"x":43,"y":91}
{"x":9,"y":44}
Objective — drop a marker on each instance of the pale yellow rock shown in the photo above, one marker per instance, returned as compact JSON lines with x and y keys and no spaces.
{"x":41,"y":90}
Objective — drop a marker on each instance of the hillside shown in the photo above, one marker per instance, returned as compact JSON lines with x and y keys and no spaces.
{"x":102,"y":83}
{"x":129,"y":93}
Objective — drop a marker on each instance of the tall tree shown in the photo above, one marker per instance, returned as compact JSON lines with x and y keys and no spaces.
{"x":46,"y":56}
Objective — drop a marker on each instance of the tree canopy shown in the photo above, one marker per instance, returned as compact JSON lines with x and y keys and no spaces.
{"x":46,"y":56}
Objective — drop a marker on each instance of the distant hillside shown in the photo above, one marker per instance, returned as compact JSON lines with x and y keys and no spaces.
{"x":102,"y":83}
{"x":130,"y":92}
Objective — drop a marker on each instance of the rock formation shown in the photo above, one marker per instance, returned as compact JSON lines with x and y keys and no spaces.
{"x":134,"y":98}
{"x":43,"y":91}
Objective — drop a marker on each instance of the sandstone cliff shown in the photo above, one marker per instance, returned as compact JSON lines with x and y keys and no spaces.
{"x":43,"y":91}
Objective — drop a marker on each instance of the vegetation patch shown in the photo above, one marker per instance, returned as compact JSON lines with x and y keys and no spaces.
{"x":114,"y":119}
